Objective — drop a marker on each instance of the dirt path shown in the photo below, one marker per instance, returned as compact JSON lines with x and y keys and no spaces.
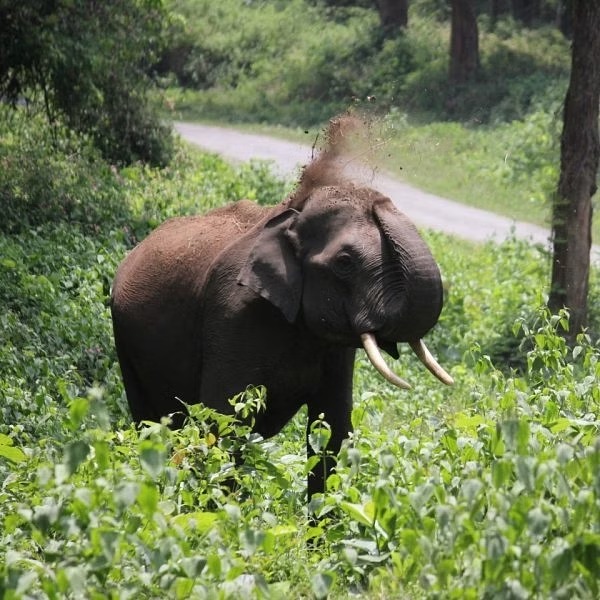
{"x":426,"y":210}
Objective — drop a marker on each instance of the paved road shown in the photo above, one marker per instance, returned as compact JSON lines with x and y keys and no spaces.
{"x":426,"y":210}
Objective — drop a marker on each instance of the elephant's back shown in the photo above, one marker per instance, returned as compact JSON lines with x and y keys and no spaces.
{"x":174,"y":259}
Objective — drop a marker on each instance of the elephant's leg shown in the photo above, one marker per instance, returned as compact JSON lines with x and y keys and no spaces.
{"x":334,"y":401}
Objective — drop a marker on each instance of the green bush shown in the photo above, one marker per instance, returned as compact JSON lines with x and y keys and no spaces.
{"x":486,"y":489}
{"x":51,"y":175}
{"x":87,"y":64}
{"x":298,"y":63}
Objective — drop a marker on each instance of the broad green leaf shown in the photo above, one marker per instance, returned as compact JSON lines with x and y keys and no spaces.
{"x":496,"y":546}
{"x":8,"y":263}
{"x":78,"y":409}
{"x":152,"y":458}
{"x":564,"y":453}
{"x":102,"y":454}
{"x":214,"y":564}
{"x":283,"y":530}
{"x":470,"y":491}
{"x":109,"y":540}
{"x":201,"y":521}
{"x":75,"y":454}
{"x":421,"y":495}
{"x":364,"y":514}
{"x":193,"y":565}
{"x":525,"y":471}
{"x":148,"y":498}
{"x":561,"y":561}
{"x":251,"y":539}
{"x":468,"y":422}
{"x":538,"y":521}
{"x":321,"y":584}
{"x":12,"y":453}
{"x":501,"y":473}
{"x":126,"y":493}
{"x":6,"y":440}
{"x":184,"y":587}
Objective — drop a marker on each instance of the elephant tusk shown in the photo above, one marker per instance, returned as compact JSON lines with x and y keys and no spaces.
{"x":420,"y":349}
{"x":372,"y":349}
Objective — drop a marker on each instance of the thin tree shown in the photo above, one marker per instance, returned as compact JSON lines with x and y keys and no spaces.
{"x":498,"y":8}
{"x":393,"y":14}
{"x":580,"y":154}
{"x":464,"y":42}
{"x":526,"y":11}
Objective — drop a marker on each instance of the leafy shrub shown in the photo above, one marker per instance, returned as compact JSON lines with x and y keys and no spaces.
{"x":486,"y":489}
{"x":297,"y":63}
{"x":86,"y":64}
{"x":49,"y":178}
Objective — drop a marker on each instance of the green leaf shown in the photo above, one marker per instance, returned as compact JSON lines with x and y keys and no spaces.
{"x":109,"y":541}
{"x":8,"y":263}
{"x":538,"y":521}
{"x":12,"y":453}
{"x":496,"y":546}
{"x":501,"y":473}
{"x":364,"y":514}
{"x":321,"y":584}
{"x":200,"y":521}
{"x":467,"y":422}
{"x":102,"y":454}
{"x":213,"y":562}
{"x":184,"y":588}
{"x":148,"y":498}
{"x":78,"y":409}
{"x":126,"y":493}
{"x":284,"y":530}
{"x":422,"y":494}
{"x":193,"y":565}
{"x":251,"y":539}
{"x":561,"y":561}
{"x":525,"y":471}
{"x":152,"y":458}
{"x":75,"y":454}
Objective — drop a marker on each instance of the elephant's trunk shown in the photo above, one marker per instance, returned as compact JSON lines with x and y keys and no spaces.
{"x":374,"y":354}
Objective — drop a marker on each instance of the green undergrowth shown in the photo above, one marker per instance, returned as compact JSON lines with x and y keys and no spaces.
{"x":297,"y":63}
{"x":490,"y":488}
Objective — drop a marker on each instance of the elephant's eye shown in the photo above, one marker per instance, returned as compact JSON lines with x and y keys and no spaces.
{"x":344,"y":265}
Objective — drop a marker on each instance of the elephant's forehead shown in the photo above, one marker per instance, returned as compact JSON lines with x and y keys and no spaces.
{"x":340,"y":224}
{"x":333,"y":201}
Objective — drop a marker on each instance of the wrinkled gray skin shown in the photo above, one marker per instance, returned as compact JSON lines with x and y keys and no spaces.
{"x":274,"y":296}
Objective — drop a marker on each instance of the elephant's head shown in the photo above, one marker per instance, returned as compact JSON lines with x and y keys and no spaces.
{"x":349,"y":264}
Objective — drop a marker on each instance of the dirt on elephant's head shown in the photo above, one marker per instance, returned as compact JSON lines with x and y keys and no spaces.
{"x":342,"y":161}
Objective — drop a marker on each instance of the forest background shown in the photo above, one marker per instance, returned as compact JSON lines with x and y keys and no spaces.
{"x":490,"y":489}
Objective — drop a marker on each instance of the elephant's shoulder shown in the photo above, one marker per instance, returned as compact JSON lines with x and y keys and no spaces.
{"x":243,"y":214}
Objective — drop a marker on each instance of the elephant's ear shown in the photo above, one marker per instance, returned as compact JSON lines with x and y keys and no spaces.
{"x":273,"y":270}
{"x":397,"y":227}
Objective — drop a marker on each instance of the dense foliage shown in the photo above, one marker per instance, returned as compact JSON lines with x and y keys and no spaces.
{"x":299,"y":62}
{"x":87,"y":64}
{"x":487,"y":489}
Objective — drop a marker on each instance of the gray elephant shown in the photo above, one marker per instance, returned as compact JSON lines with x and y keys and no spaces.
{"x":280,"y":296}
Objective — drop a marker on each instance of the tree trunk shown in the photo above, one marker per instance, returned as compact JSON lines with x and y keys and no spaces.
{"x":393,"y":14}
{"x":563,"y":17}
{"x":526,"y":11}
{"x":499,"y":8}
{"x":464,"y":42}
{"x":580,"y":153}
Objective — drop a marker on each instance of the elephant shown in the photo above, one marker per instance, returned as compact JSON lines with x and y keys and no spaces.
{"x":280,"y":296}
